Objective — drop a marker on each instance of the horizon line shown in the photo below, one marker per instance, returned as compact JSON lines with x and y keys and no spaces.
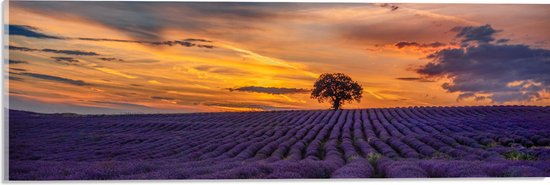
{"x":6,"y":109}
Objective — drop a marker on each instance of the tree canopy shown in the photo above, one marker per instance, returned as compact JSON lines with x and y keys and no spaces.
{"x":337,"y":88}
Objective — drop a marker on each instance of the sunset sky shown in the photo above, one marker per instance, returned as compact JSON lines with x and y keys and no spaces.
{"x":152,"y":57}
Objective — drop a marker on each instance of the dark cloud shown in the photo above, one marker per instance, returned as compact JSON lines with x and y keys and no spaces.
{"x":65,"y":59}
{"x":12,"y":72}
{"x":505,"y":72}
{"x":17,"y":69}
{"x":67,"y":52}
{"x":390,"y":6}
{"x":161,"y":98}
{"x":180,"y":43}
{"x":503,"y":40}
{"x":146,"y":21}
{"x":196,"y":40}
{"x":245,"y":105}
{"x":10,"y":61}
{"x":15,"y":92}
{"x":403,"y":44}
{"x":56,"y":79}
{"x":71,"y":52}
{"x":136,"y":21}
{"x":14,"y":78}
{"x":482,"y":34}
{"x":122,"y":104}
{"x":111,"y":59}
{"x":270,"y":90}
{"x":467,"y":95}
{"x":406,"y":44}
{"x":185,"y":42}
{"x":479,"y":98}
{"x":414,"y":79}
{"x":17,"y":48}
{"x":28,"y":31}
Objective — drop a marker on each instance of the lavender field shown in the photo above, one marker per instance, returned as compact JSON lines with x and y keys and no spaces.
{"x":415,"y":142}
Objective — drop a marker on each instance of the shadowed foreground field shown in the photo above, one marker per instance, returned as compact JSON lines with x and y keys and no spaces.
{"x":500,"y":141}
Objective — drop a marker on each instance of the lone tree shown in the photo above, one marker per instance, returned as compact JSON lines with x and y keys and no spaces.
{"x":337,"y":88}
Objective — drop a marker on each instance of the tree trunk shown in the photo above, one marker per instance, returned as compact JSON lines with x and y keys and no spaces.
{"x":336,"y":104}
